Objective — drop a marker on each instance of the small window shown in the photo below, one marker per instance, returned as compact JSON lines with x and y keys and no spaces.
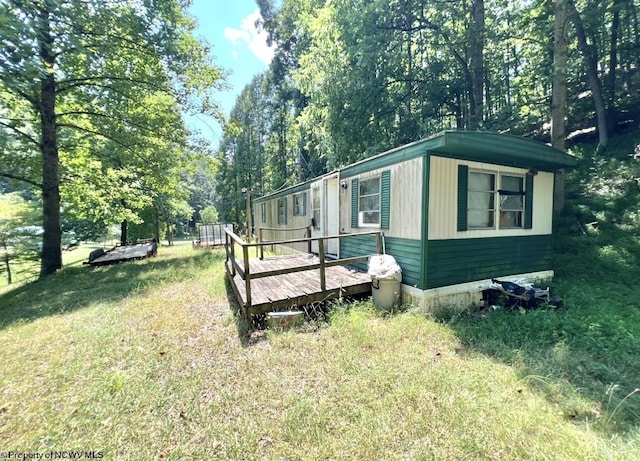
{"x":369,"y":202}
{"x":481,"y":196}
{"x":282,"y":211}
{"x":511,"y":202}
{"x":299,"y":204}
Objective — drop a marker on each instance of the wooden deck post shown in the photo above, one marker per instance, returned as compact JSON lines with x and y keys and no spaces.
{"x":247,"y":274}
{"x":323,"y":275}
{"x":231,"y":244}
{"x":379,"y":242}
{"x":260,"y":241}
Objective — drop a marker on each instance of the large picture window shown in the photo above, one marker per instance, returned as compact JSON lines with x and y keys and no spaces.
{"x":369,"y":202}
{"x":486,"y":200}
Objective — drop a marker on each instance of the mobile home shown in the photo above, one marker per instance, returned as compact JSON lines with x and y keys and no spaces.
{"x":457,"y":209}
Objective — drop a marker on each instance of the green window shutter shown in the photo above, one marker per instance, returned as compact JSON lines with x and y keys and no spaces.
{"x":286,"y":206}
{"x":528,"y":202}
{"x":304,"y":204}
{"x":463,"y":186}
{"x":354,"y":203}
{"x":385,"y":198}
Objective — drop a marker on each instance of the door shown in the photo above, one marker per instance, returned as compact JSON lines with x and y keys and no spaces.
{"x":332,"y":210}
{"x":325,"y":213}
{"x":316,"y":213}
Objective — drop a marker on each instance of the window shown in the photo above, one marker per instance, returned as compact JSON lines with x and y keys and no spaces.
{"x":315,"y":198}
{"x":482,"y":191}
{"x":511,"y":201}
{"x":369,"y":202}
{"x":300,"y":204}
{"x":485,"y":200}
{"x":282,"y":211}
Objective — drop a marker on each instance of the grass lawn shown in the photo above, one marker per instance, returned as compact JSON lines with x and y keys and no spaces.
{"x":146,"y":360}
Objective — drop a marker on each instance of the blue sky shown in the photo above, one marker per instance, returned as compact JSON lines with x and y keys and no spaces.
{"x":229,"y":26}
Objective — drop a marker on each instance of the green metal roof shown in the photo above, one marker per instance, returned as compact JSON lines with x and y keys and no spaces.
{"x":501,"y":149}
{"x":284,"y":192}
{"x":476,"y":146}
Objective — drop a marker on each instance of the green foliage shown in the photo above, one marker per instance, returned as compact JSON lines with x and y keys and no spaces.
{"x":98,"y":88}
{"x":20,"y":234}
{"x":353,"y":78}
{"x":209,"y":215}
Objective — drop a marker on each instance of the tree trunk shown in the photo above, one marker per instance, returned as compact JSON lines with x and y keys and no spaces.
{"x":559,"y":93}
{"x":52,"y":237}
{"x":169,"y":233}
{"x":613,"y":65}
{"x":157,"y":226}
{"x":591,"y":67}
{"x":7,"y":266}
{"x":477,"y":64}
{"x":123,"y":232}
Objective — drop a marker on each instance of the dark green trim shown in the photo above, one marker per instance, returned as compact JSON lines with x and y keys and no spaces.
{"x":385,"y":198}
{"x":502,"y":149}
{"x":463,"y":197}
{"x":405,"y":251}
{"x":388,"y":158}
{"x":528,"y":202}
{"x":288,"y":191}
{"x":263,"y":212}
{"x":424,"y":247}
{"x":305,"y":198}
{"x":354,"y":203}
{"x":466,"y":260}
{"x":477,"y":146}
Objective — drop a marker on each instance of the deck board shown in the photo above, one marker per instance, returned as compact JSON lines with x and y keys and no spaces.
{"x":295,"y":289}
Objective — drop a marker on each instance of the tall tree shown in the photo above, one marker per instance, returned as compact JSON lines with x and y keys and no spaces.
{"x":559,"y":91}
{"x":590,"y":56}
{"x":477,"y":63}
{"x":95,"y":60}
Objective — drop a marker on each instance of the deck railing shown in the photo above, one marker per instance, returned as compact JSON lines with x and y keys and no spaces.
{"x":243,"y":268}
{"x":261,"y":239}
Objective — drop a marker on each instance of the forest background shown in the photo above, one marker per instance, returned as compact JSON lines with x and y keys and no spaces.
{"x":93,"y":95}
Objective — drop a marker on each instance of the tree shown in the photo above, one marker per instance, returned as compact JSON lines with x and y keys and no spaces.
{"x":86,"y":91}
{"x":19,"y":232}
{"x":209,"y":215}
{"x":590,"y":57}
{"x":559,"y":92}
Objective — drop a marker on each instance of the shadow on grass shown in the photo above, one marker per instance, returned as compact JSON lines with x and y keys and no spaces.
{"x":244,"y":326}
{"x":77,"y":287}
{"x":590,"y":347}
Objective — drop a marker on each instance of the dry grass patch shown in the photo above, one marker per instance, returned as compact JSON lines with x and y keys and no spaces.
{"x":161,"y":370}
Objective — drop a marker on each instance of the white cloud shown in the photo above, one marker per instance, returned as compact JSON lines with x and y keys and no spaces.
{"x":255,"y":40}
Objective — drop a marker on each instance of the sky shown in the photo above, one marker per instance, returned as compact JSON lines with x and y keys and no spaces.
{"x":229,"y":27}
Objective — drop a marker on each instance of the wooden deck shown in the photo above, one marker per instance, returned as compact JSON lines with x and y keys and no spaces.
{"x":270,"y":284}
{"x":293,"y":289}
